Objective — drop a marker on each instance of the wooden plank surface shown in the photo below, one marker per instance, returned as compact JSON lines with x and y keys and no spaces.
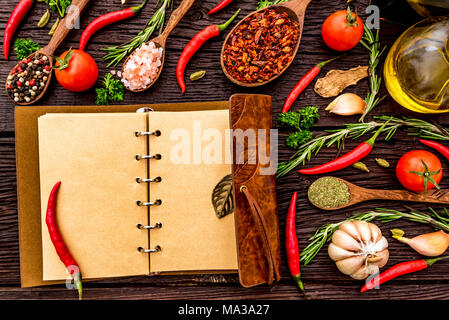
{"x":322,"y":279}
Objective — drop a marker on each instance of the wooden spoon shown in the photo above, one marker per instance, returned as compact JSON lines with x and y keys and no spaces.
{"x":61,"y":32}
{"x":359,"y":194}
{"x":161,"y":40}
{"x":296,"y":11}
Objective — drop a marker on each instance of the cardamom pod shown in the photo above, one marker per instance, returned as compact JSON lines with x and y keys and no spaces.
{"x":197,"y":75}
{"x":361,"y":166}
{"x":53,"y":28}
{"x":44,"y":20}
{"x":383,"y":163}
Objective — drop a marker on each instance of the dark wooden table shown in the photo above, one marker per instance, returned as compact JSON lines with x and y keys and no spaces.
{"x":321,"y":277}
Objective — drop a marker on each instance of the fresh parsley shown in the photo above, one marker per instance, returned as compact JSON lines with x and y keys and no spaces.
{"x":112,"y":91}
{"x":265,"y":3}
{"x":59,"y":6}
{"x":25,"y":47}
{"x":302,"y":121}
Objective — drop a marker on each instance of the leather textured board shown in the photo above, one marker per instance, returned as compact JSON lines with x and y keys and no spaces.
{"x":251,"y":113}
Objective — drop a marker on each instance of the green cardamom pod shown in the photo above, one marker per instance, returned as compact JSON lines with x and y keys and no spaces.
{"x":361,"y":166}
{"x":53,"y":28}
{"x":44,"y":20}
{"x":197,"y":75}
{"x":383,"y":163}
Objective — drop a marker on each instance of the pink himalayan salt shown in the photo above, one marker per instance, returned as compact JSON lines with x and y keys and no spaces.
{"x":142,"y":67}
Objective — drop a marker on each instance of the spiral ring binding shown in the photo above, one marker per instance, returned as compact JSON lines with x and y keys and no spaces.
{"x":156,"y":249}
{"x":157,"y":179}
{"x":158,"y":225}
{"x":155,"y":133}
{"x":149,"y":204}
{"x":154,"y":156}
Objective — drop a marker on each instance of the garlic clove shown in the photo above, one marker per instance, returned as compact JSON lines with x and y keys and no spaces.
{"x":350,"y":229}
{"x":347,"y":104}
{"x":365,"y":271}
{"x":379,"y":259}
{"x":376,"y":234}
{"x":345,"y":241}
{"x":337,"y":253}
{"x":350,"y":265}
{"x":364,"y":230}
{"x":430,"y":244}
{"x":380,"y":245}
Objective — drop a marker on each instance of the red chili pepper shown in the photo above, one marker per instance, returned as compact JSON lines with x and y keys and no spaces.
{"x":105,"y":20}
{"x":221,"y":5}
{"x":291,"y":243}
{"x":195,"y":44}
{"x":58,"y":242}
{"x":437,"y":146}
{"x":357,"y":154}
{"x":303,"y":83}
{"x":15,"y":18}
{"x":399,"y":270}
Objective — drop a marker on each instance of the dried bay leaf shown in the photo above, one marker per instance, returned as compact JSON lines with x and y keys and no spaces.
{"x":222,"y":197}
{"x":335,"y":81}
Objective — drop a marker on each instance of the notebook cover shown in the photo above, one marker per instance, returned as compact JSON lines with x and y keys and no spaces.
{"x":27,"y":163}
{"x":257,"y":173}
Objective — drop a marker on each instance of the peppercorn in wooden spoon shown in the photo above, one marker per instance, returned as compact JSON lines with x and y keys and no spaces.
{"x":30,"y":78}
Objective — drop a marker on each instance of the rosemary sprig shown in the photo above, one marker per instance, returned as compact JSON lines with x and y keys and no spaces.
{"x":372,"y":44}
{"x":324,"y":234}
{"x":118,"y":53}
{"x":337,"y":137}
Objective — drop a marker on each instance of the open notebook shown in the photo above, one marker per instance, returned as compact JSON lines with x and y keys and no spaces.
{"x":95,"y":156}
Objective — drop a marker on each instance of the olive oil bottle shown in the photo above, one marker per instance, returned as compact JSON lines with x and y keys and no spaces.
{"x":416,"y":69}
{"x":430,"y":8}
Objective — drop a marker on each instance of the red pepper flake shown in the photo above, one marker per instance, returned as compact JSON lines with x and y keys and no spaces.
{"x":261,"y":46}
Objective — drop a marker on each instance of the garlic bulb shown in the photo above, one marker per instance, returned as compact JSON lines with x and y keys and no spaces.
{"x":347,"y":104}
{"x":358,"y":249}
{"x":429,"y":244}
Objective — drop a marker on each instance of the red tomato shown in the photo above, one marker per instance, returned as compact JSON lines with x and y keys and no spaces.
{"x":342,"y":30}
{"x":412,"y":172}
{"x":76,"y":70}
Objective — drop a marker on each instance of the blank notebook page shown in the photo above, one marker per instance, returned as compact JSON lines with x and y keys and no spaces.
{"x":192,"y":238}
{"x":93,"y":155}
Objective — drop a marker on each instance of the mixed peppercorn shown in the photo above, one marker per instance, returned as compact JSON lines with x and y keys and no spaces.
{"x":261,"y":46}
{"x":28,"y":78}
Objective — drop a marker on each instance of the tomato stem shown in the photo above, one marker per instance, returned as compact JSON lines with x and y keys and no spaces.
{"x":352,"y":20}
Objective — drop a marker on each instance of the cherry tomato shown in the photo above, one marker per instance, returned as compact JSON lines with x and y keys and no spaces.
{"x":417,"y":169}
{"x":76,"y":70}
{"x":342,"y":30}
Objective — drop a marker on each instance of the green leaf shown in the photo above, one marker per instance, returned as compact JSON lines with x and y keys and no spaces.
{"x":25,"y":47}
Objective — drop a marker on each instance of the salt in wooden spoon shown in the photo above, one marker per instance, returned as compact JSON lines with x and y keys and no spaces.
{"x":161,"y":40}
{"x":359,"y":194}
{"x":61,"y":32}
{"x":296,"y":10}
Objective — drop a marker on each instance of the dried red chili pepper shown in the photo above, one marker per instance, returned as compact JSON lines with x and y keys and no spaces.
{"x":399,"y":270}
{"x":303,"y":83}
{"x":195,"y":44}
{"x":291,"y":243}
{"x":220,"y":6}
{"x":357,"y":154}
{"x":58,"y":242}
{"x":105,"y":20}
{"x":14,"y":20}
{"x":261,"y":46}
